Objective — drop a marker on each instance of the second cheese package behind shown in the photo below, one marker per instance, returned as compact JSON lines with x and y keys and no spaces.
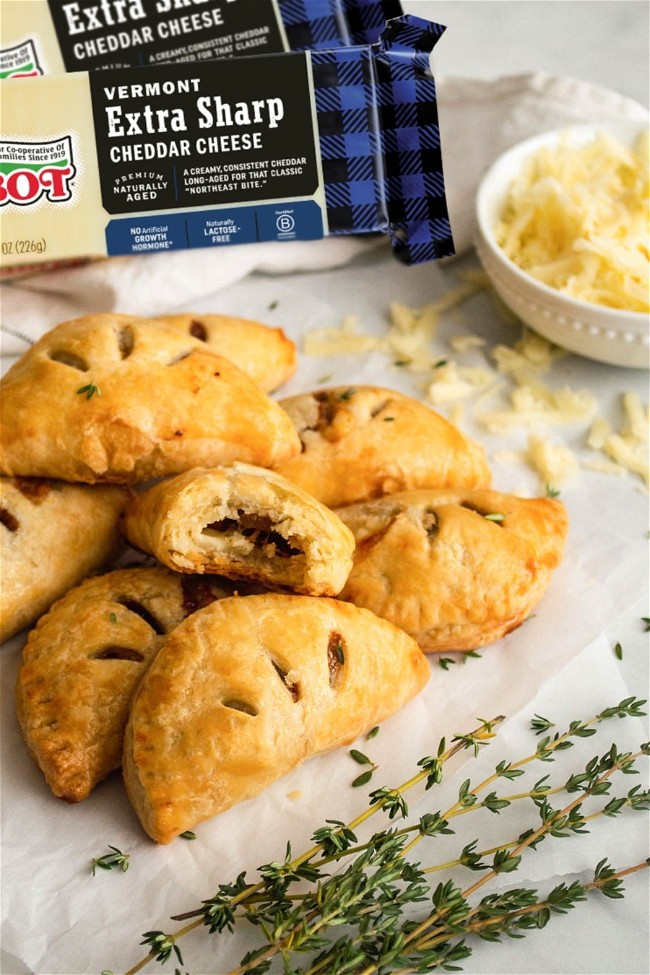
{"x":52,"y":36}
{"x":277,"y":147}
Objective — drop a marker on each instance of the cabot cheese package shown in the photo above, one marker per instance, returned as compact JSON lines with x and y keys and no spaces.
{"x":275,"y":147}
{"x":53,"y":36}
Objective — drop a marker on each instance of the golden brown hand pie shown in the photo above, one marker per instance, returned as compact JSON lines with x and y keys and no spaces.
{"x":122,"y":399}
{"x":364,"y":442}
{"x":455,"y":569}
{"x":83,"y":660}
{"x":52,"y":535}
{"x":262,"y":352}
{"x":243,"y":522}
{"x":248,"y":688}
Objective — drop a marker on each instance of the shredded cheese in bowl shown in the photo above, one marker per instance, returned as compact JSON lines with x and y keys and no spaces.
{"x":577,"y":218}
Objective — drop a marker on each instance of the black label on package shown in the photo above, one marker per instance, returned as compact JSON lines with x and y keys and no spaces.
{"x":128,"y":33}
{"x":199,"y":135}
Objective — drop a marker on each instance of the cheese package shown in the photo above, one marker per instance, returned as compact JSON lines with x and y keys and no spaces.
{"x":53,"y":36}
{"x":274,"y":147}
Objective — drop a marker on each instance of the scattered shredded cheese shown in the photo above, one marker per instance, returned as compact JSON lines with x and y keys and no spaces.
{"x":461,"y":343}
{"x":475,"y":276}
{"x":637,"y":420}
{"x":628,"y":449}
{"x":452,"y":382}
{"x":555,"y":463}
{"x":576,"y":218}
{"x":410,"y":335}
{"x":532,"y":354}
{"x":633,"y":456}
{"x":599,"y":431}
{"x":604,"y":467}
{"x":408,"y":321}
{"x":344,"y":340}
{"x":534,"y":404}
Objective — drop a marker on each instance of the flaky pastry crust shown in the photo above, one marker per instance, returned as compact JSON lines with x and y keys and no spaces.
{"x":122,"y":399}
{"x":52,"y":535}
{"x":364,"y":442}
{"x":243,"y":522}
{"x":262,"y":352}
{"x":455,"y":569}
{"x":83,"y":660}
{"x":248,"y":688}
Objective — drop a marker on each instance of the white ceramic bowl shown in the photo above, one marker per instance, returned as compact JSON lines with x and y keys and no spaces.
{"x":621,"y":338}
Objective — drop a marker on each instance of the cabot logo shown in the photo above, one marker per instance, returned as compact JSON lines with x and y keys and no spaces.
{"x":20,"y":61}
{"x":31,"y":172}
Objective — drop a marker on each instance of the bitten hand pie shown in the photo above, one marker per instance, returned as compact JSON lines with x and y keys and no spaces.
{"x":248,"y":688}
{"x":83,"y":661}
{"x":52,"y":535}
{"x":263,"y":353}
{"x":455,"y":569}
{"x":122,"y":399}
{"x":243,"y":522}
{"x":364,"y":442}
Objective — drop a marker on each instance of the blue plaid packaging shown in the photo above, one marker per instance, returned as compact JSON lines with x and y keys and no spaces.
{"x":311,"y":25}
{"x":380,"y":140}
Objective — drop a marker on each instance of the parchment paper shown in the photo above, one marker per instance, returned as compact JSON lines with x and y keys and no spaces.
{"x":59,"y":919}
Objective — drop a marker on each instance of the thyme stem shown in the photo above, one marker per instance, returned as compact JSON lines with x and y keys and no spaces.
{"x":482,"y":734}
{"x":475,"y":926}
{"x":379,"y":880}
{"x":518,"y":849}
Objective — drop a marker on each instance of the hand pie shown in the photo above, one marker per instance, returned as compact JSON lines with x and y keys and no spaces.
{"x":455,"y":569}
{"x":263,"y":353}
{"x":52,"y":535}
{"x":243,"y":522}
{"x":122,"y":399}
{"x":364,"y":442}
{"x":83,"y":661}
{"x":248,"y":688}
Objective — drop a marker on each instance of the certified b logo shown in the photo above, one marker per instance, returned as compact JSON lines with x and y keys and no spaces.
{"x":31,"y":172}
{"x":285,"y":223}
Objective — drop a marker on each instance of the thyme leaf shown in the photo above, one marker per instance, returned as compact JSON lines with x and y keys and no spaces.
{"x":90,"y":389}
{"x":359,"y":757}
{"x":111,"y":860}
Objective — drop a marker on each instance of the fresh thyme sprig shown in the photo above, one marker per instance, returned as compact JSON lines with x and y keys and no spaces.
{"x":555,"y":822}
{"x":300,"y":907}
{"x":218,"y":913}
{"x":110,"y":860}
{"x":452,"y":908}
